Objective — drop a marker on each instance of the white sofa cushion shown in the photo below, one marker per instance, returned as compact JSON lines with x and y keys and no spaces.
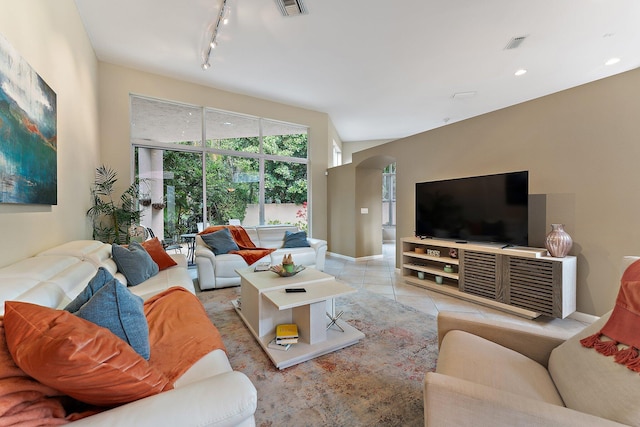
{"x":12,"y":287}
{"x":167,"y":278}
{"x":272,"y":237}
{"x":48,"y":294}
{"x":38,"y":268}
{"x":51,"y":290}
{"x":77,"y":248}
{"x":73,"y":280}
{"x":101,"y":257}
{"x":93,"y":251}
{"x":469,"y":357}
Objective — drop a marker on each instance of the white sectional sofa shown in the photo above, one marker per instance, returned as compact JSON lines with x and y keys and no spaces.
{"x":209,"y":393}
{"x":219,"y":271}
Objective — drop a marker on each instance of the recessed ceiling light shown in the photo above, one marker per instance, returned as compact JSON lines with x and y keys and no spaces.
{"x":612,"y":61}
{"x":520,"y":72}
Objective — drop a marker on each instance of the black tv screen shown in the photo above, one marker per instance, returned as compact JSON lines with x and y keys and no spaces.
{"x":489,"y":208}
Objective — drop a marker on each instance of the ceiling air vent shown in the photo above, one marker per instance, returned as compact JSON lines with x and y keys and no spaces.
{"x":515,"y":42}
{"x":464,"y":95}
{"x":291,"y":7}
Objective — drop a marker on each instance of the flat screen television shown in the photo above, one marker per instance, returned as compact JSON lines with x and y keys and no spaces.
{"x":489,"y":208}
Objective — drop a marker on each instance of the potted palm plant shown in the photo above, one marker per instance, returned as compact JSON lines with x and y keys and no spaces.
{"x":112,"y":218}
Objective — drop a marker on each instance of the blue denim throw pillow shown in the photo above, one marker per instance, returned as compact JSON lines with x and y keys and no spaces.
{"x":220,"y":241}
{"x":134,"y":262}
{"x":95,"y":284}
{"x":295,"y":240}
{"x":111,"y":305}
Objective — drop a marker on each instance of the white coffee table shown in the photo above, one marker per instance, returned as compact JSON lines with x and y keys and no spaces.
{"x":265,"y":304}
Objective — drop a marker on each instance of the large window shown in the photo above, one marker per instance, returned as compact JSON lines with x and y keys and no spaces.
{"x":171,"y":200}
{"x":204,"y":166}
{"x":233,"y":185}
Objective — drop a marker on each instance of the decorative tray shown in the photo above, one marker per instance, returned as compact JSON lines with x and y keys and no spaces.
{"x":280,"y":271}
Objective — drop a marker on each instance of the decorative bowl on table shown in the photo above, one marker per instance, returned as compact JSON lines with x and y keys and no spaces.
{"x":280,"y":271}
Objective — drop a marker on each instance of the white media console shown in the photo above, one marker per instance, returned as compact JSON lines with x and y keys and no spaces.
{"x":519,"y":280}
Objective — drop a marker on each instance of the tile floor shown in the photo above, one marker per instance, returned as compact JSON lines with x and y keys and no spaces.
{"x":380,"y":276}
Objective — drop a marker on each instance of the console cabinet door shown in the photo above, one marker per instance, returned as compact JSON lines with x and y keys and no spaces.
{"x":480,"y":275}
{"x":534,"y":284}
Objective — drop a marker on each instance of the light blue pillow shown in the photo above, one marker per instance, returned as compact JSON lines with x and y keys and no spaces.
{"x":295,"y":240}
{"x":134,"y":262}
{"x":220,"y":241}
{"x":101,"y":277}
{"x":114,"y":307}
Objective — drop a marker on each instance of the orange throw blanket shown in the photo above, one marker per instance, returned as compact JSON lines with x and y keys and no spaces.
{"x":622,"y":328}
{"x":23,"y":400}
{"x":248,"y":250}
{"x":180,"y":332}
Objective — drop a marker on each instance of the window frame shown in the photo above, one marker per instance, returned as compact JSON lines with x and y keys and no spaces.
{"x":204,"y":149}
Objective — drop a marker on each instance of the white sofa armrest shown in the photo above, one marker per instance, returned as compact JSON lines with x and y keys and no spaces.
{"x":320,"y":246}
{"x":450,"y":401}
{"x":205,"y":264}
{"x":180,"y":259}
{"x":535,"y":343}
{"x":228,"y":399}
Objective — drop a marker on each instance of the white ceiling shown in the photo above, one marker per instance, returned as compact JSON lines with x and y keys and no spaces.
{"x":380,"y":69}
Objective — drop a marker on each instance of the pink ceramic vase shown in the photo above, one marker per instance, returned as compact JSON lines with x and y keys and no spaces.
{"x":558,"y":242}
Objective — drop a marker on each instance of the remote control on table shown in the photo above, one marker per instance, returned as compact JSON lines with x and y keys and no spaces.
{"x":293,"y":290}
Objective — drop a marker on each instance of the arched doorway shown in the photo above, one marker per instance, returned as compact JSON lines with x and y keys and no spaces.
{"x":370,"y":175}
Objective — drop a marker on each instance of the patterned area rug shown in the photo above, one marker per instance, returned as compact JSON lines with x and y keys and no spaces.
{"x":377,"y":382}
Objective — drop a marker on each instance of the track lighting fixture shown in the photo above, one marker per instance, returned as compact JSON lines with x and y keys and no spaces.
{"x":222,"y":19}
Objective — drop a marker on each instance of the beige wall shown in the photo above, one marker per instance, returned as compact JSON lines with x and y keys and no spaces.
{"x":368,"y":212}
{"x":50,"y":37}
{"x":581,"y":148}
{"x":351,"y":147}
{"x":116,"y":83}
{"x":341,"y":204}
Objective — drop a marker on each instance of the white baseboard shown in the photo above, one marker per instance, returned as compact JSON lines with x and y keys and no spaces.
{"x":352,"y":259}
{"x":583,"y":317}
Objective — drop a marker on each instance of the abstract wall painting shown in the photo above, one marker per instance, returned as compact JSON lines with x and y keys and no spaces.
{"x":28,"y":133}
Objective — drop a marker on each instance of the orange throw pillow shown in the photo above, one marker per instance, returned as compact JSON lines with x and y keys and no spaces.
{"x":77,"y":357}
{"x":158,"y":254}
{"x":23,"y":399}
